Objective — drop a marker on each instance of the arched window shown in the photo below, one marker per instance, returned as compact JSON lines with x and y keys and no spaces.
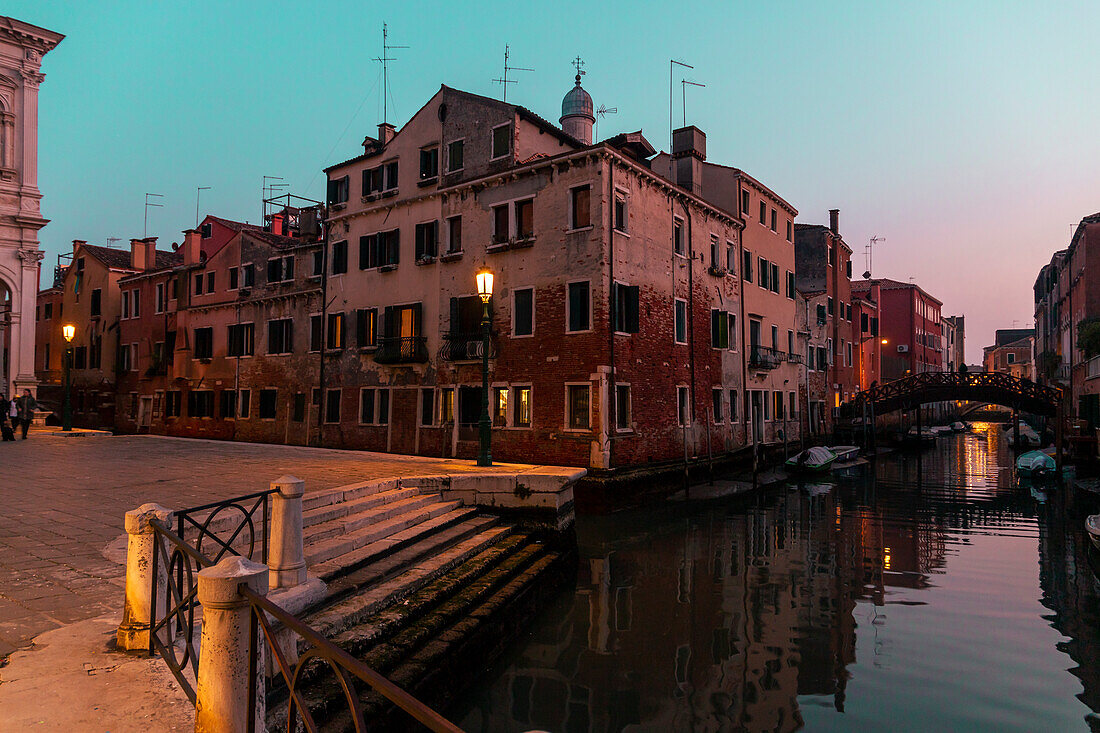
{"x":7,"y":141}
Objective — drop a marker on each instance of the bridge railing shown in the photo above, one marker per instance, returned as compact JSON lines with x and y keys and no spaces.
{"x":994,"y":387}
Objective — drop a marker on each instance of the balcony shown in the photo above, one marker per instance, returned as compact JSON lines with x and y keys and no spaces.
{"x":794,"y":358}
{"x":761,"y":357}
{"x":402,"y":350}
{"x":465,"y":347}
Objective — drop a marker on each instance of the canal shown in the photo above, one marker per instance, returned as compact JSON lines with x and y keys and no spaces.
{"x":939,"y":595}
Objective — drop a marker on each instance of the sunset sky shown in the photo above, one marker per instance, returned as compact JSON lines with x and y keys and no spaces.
{"x":960,"y":132}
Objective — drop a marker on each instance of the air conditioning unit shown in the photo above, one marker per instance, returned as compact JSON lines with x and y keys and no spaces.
{"x":903,"y":348}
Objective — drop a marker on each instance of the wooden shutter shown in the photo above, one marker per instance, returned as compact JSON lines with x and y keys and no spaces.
{"x":454,"y":323}
{"x":632,"y":320}
{"x":418,"y":313}
{"x":393,"y":246}
{"x":389,"y":324}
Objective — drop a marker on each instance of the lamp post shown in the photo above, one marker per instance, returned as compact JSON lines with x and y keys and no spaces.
{"x":68,"y":331}
{"x":485,"y":292}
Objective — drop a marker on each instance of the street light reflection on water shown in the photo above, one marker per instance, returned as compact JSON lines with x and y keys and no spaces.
{"x":908,"y":599}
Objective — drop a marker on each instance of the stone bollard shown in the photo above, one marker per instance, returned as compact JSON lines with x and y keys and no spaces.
{"x":287,"y":555}
{"x":221,"y":703}
{"x":133,"y":632}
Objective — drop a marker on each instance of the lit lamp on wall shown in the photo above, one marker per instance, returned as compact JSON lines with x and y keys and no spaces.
{"x":485,"y":292}
{"x":68,"y":331}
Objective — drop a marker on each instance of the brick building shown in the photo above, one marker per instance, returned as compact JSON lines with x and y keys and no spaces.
{"x":909,"y":322}
{"x":1011,"y":353}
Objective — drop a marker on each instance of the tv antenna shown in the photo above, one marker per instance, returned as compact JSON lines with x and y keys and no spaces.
{"x":684,"y":84}
{"x":148,"y":203}
{"x":198,"y":196}
{"x":602,"y":112}
{"x":112,"y":240}
{"x":504,"y":81}
{"x":269,"y":192}
{"x":672,"y":64}
{"x":384,"y":59}
{"x":875,"y":239}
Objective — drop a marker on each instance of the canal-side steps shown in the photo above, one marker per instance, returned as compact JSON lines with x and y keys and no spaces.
{"x":417,"y":584}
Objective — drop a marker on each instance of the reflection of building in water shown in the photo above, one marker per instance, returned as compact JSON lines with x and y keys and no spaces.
{"x":1067,"y":576}
{"x":717,"y":625}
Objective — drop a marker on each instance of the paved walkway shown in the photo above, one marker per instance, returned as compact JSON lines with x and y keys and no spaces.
{"x":62,"y":549}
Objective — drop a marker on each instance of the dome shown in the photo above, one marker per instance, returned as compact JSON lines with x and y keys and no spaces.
{"x":577,"y":102}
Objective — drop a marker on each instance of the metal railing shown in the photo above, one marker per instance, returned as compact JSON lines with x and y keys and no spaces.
{"x":323,"y":652}
{"x":762,"y":357}
{"x":466,"y":347}
{"x":182,"y":561}
{"x":402,"y":350}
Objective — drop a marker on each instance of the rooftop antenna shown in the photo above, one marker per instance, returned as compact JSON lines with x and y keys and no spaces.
{"x":672,"y":64}
{"x":875,"y":239}
{"x":269,"y":192}
{"x":684,"y":84}
{"x":602,"y":111}
{"x":198,"y":195}
{"x":148,"y":203}
{"x":112,"y":240}
{"x":384,"y":59}
{"x":504,"y":81}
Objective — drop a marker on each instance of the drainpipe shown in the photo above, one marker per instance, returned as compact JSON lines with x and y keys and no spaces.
{"x":690,"y":316}
{"x":324,"y":334}
{"x":612,"y":407}
{"x":746,"y":403}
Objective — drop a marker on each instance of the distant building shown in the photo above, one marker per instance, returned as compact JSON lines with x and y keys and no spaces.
{"x":1011,"y":353}
{"x":866,"y":337}
{"x":954,"y":334}
{"x":22,"y":46}
{"x":909,"y":321}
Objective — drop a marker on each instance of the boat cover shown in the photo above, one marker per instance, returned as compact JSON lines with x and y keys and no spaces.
{"x":816,"y":456}
{"x":1035,"y":461}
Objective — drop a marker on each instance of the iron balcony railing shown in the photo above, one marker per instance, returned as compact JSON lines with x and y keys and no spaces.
{"x":762,"y":357}
{"x":466,"y":346}
{"x":402,"y":350}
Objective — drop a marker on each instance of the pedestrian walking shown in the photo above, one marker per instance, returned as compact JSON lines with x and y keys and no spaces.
{"x":25,"y":406}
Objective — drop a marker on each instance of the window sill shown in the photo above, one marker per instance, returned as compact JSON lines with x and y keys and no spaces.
{"x":522,"y":335}
{"x":387,"y":268}
{"x":451,"y":256}
{"x":425,"y":261}
{"x":497,"y":247}
{"x":425,"y":182}
{"x":577,"y":333}
{"x":622,"y":233}
{"x":576,"y":431}
{"x":339,"y":206}
{"x":578,"y":230}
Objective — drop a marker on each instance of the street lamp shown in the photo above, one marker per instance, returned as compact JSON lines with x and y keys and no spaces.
{"x":68,"y":331}
{"x":485,"y":292}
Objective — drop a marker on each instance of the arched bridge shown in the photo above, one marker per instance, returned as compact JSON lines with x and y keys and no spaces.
{"x":990,"y":387}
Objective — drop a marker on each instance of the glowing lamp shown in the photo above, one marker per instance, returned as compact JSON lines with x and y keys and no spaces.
{"x":485,"y":284}
{"x":68,"y":331}
{"x":884,"y":342}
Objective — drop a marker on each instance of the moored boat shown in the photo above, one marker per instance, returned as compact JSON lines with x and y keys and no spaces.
{"x":1092,"y":525}
{"x":845,"y":452}
{"x":1035,"y":464}
{"x":958,"y":427}
{"x":814,"y":459}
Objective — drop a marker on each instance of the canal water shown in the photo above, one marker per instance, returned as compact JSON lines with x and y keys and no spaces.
{"x":930,"y":595}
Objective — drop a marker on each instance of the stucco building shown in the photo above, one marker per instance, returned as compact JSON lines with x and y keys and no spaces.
{"x":1011,"y":353}
{"x":22,"y":46}
{"x":909,"y":321}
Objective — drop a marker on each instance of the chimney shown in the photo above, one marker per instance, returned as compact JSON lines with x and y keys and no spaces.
{"x":77,"y":244}
{"x":834,"y":221}
{"x":689,"y":152}
{"x":192,"y":246}
{"x":386,"y":132}
{"x":277,"y":221}
{"x":143,"y":253}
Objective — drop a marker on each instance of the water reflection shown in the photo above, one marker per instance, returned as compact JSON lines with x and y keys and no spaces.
{"x":904,"y":599}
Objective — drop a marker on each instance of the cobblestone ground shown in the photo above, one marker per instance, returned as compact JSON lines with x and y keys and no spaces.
{"x":62,"y":501}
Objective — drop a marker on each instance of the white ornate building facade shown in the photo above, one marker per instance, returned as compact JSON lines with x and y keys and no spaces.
{"x":22,"y":46}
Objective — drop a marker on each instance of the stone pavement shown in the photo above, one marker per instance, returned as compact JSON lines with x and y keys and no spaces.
{"x":62,"y":502}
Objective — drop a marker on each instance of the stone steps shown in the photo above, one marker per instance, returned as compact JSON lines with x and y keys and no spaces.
{"x":371,"y":510}
{"x":333,"y":547}
{"x":328,"y":512}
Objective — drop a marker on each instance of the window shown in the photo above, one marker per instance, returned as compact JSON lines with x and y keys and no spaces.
{"x":775,"y":337}
{"x":745,"y":203}
{"x":332,"y":406}
{"x":790,"y":226}
{"x":280,"y":336}
{"x":719,"y":329}
{"x":209,"y":284}
{"x":366,"y":327}
{"x":366,"y":406}
{"x":792,"y":406}
{"x":204,"y":343}
{"x":848,"y":312}
{"x":763,"y":212}
{"x":620,"y":212}
{"x":389,"y":171}
{"x":500,"y":224}
{"x":334,"y":335}
{"x":731,"y":258}
{"x":521,"y":399}
{"x":678,"y":237}
{"x":125,"y":304}
{"x":773,"y":281}
{"x":339,"y":258}
{"x":848,"y":269}
{"x":849,"y":353}
{"x":764,"y":270}
{"x":298,"y":407}
{"x":746,"y":266}
{"x":622,"y":407}
{"x":715,"y":253}
{"x":499,"y":406}
{"x":454,"y":156}
{"x":249,"y":275}
{"x":830,"y":305}
{"x":245,"y":403}
{"x":228,"y":404}
{"x":383,"y":407}
{"x":790,"y":285}
{"x":732,"y":318}
{"x":679,"y":331}
{"x":790,"y":342}
{"x":523,"y":312}
{"x":47,"y":311}
{"x":427,"y":236}
{"x":578,"y":317}
{"x":200,"y":403}
{"x":160,"y":303}
{"x":1010,"y":358}
{"x":207,"y":230}
{"x":821,"y":314}
{"x":315,"y":332}
{"x":580,"y":207}
{"x":95,"y":352}
{"x":502,"y":141}
{"x":577,"y":415}
{"x":379,"y":250}
{"x":234,"y":278}
{"x":427,"y":406}
{"x":778,"y":398}
{"x":280,"y":269}
{"x":863,"y":323}
{"x":80,"y":357}
{"x":832,"y":256}
{"x":454,"y":234}
{"x":831,"y":350}
{"x":268,"y":403}
{"x":773,"y":223}
{"x":318,"y":263}
{"x":338,"y":190}
{"x":716,"y":405}
{"x":683,"y":406}
{"x":446,"y":405}
{"x":172,"y":403}
{"x":525,"y":219}
{"x":625,"y":303}
{"x":241,"y":339}
{"x":429,"y":163}
{"x":767,"y":404}
{"x":733,"y":405}
{"x":97,"y":302}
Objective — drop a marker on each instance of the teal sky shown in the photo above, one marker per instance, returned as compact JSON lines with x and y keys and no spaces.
{"x":963,"y":132}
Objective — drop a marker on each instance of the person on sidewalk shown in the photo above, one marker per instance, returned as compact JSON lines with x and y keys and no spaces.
{"x":25,"y":407}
